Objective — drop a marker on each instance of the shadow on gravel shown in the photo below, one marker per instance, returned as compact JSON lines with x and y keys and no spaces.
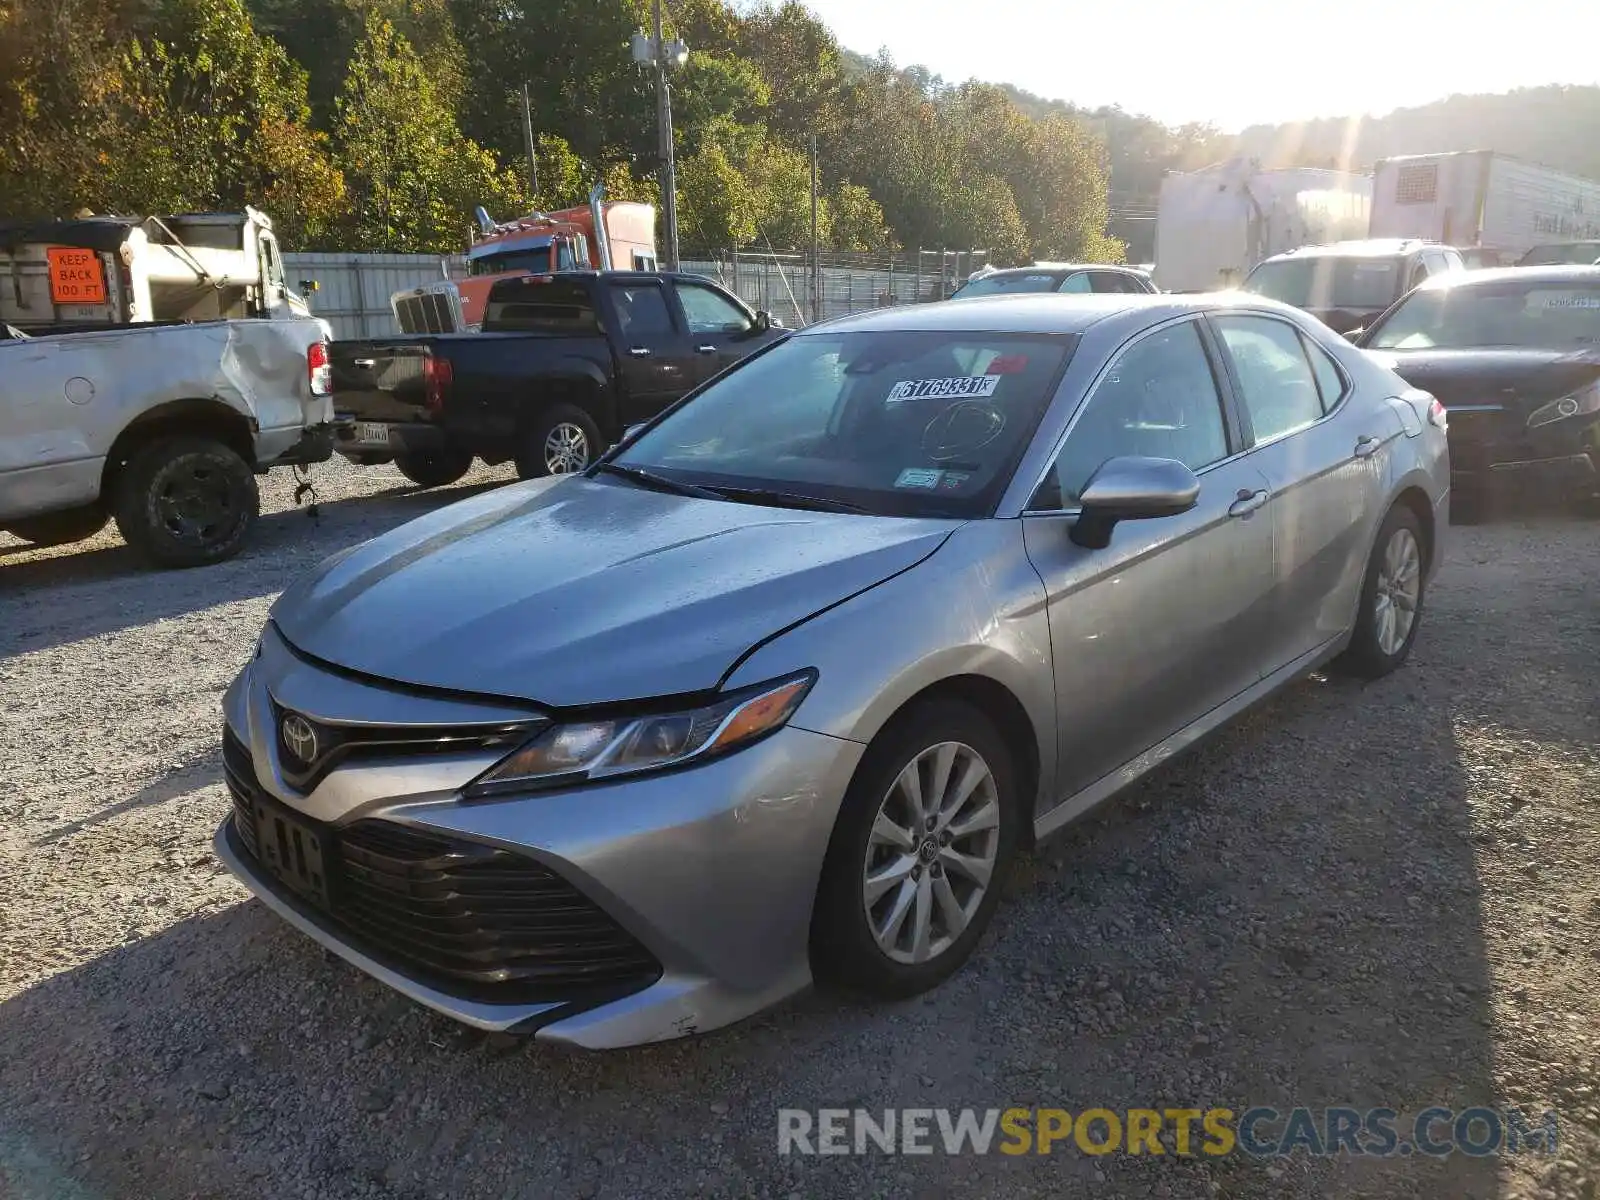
{"x":283,"y":546}
{"x":1287,"y":917}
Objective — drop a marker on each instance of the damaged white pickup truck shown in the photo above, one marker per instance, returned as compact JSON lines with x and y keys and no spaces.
{"x":160,"y":427}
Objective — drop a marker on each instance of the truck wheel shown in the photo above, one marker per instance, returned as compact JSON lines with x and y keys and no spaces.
{"x":186,"y":501}
{"x":560,"y":441}
{"x":57,"y":529}
{"x":433,"y":468}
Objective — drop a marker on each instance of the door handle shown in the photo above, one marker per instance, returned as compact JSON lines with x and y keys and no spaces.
{"x":1367,"y":446}
{"x":1247,"y":502}
{"x":640,"y":352}
{"x":705,"y":349}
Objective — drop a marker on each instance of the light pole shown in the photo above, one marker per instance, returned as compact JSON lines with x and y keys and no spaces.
{"x":661,"y":55}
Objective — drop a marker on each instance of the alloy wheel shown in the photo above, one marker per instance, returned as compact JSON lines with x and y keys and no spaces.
{"x":932,"y":852}
{"x":1398,"y":592}
{"x":566,"y":449}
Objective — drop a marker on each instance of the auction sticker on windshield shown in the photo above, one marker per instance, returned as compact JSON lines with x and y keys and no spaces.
{"x":919,"y":477}
{"x":936,"y":389}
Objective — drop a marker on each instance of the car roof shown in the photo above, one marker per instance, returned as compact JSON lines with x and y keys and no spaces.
{"x":1041,"y":268}
{"x":1566,"y":273}
{"x":1365,"y":248}
{"x":1040,"y":312}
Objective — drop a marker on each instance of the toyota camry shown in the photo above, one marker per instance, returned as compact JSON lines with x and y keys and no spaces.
{"x":776,"y":691}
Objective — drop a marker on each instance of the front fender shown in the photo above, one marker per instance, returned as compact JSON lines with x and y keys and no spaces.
{"x":975,"y":607}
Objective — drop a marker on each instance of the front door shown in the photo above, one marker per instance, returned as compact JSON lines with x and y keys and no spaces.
{"x":654,"y":359}
{"x":720,"y":331}
{"x":1158,"y":628}
{"x":1324,"y":460}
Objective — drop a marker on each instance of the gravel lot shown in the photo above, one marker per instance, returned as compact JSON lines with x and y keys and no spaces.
{"x":1380,"y":895}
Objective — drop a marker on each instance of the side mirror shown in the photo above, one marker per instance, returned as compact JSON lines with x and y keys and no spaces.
{"x":763,"y":321}
{"x":1354,"y":335}
{"x":1131,"y":488}
{"x":307,"y":286}
{"x":627,"y":434}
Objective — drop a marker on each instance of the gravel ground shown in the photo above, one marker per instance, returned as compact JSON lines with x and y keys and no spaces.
{"x":1380,"y":895}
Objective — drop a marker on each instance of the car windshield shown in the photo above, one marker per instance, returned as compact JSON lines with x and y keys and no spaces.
{"x":1328,"y":281}
{"x":1568,"y":253}
{"x":1002,"y":285}
{"x":536,"y":260}
{"x":896,"y":423}
{"x":1510,"y":312}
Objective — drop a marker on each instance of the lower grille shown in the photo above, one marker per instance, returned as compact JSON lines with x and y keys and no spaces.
{"x":470,"y":919}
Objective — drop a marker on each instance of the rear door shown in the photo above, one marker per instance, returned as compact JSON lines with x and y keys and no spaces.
{"x":721,"y":331}
{"x":1323,"y":454}
{"x":655,"y":360}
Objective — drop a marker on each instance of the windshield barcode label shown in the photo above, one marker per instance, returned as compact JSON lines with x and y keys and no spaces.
{"x":934,"y":389}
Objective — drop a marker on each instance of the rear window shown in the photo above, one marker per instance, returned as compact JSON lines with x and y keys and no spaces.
{"x":540,"y":304}
{"x":1000,"y":285}
{"x":1328,"y":281}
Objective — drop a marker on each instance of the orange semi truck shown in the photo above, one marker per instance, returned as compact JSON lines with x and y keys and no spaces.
{"x":600,"y":235}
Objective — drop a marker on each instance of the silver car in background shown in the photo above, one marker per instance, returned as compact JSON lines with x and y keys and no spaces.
{"x":778,"y":689}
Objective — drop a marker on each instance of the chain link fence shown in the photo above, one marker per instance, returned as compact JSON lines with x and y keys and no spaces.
{"x":797,"y":291}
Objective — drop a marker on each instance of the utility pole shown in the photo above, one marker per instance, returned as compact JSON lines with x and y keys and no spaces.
{"x":527,"y":132}
{"x":669,"y":166}
{"x":816,"y":245}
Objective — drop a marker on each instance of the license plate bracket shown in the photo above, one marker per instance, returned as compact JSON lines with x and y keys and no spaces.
{"x":372,"y":431}
{"x":294,"y":851}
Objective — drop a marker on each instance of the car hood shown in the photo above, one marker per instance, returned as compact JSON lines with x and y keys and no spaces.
{"x":576,"y":591}
{"x":1515,"y":379}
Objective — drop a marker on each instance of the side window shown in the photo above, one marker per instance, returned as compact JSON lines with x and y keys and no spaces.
{"x":1275,"y":378}
{"x":642,"y":310}
{"x":707,"y":312}
{"x":1158,"y":399}
{"x":1330,"y":381}
{"x":643,"y":262}
{"x":1419,"y":272}
{"x":1077,"y":282}
{"x":1109,"y":281}
{"x":564,"y":257}
{"x":271,"y":265}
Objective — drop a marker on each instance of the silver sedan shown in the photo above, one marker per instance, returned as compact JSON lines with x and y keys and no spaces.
{"x":776,"y":691}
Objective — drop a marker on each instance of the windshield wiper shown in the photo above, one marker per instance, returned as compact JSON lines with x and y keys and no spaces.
{"x":659,"y":483}
{"x":746,"y":495}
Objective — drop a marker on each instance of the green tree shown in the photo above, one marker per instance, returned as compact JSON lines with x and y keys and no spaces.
{"x":414,"y":179}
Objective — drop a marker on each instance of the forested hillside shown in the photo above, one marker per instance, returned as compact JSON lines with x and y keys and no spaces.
{"x":379,"y":124}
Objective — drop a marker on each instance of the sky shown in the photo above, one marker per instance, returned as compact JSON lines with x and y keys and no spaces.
{"x":1234,"y":62}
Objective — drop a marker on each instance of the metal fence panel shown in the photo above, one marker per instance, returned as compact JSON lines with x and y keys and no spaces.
{"x":354,"y":289}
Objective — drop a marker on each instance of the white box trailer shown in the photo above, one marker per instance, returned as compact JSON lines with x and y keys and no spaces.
{"x":1481,"y":198}
{"x":1213,"y":225}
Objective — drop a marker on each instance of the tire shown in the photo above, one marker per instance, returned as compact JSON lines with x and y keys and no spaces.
{"x":541,"y":450}
{"x":434,"y":468}
{"x":186,"y":501}
{"x":1378,"y":646}
{"x":57,"y":529}
{"x":845,"y":950}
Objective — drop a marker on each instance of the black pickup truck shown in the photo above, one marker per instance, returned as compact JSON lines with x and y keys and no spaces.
{"x":564,"y":364}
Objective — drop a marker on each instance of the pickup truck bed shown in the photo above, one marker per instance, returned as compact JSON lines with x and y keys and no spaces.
{"x":565,"y":364}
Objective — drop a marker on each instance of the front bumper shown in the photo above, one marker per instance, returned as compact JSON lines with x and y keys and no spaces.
{"x":712,"y":869}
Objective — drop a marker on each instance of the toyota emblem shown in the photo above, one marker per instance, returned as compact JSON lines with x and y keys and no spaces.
{"x":299,"y":738}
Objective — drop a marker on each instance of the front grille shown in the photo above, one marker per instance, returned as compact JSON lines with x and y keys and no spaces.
{"x":471,"y":919}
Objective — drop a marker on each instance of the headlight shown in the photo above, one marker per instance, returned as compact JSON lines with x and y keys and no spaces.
{"x":579,"y":751}
{"x":1581,"y":403}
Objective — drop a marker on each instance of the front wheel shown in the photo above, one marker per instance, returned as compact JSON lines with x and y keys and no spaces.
{"x":562,"y":440}
{"x":59,"y":528}
{"x":923,"y":841}
{"x":186,"y":501}
{"x":1391,"y":598}
{"x":433,"y":468}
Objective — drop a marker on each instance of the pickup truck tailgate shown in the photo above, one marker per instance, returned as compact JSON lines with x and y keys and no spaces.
{"x":374,"y":381}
